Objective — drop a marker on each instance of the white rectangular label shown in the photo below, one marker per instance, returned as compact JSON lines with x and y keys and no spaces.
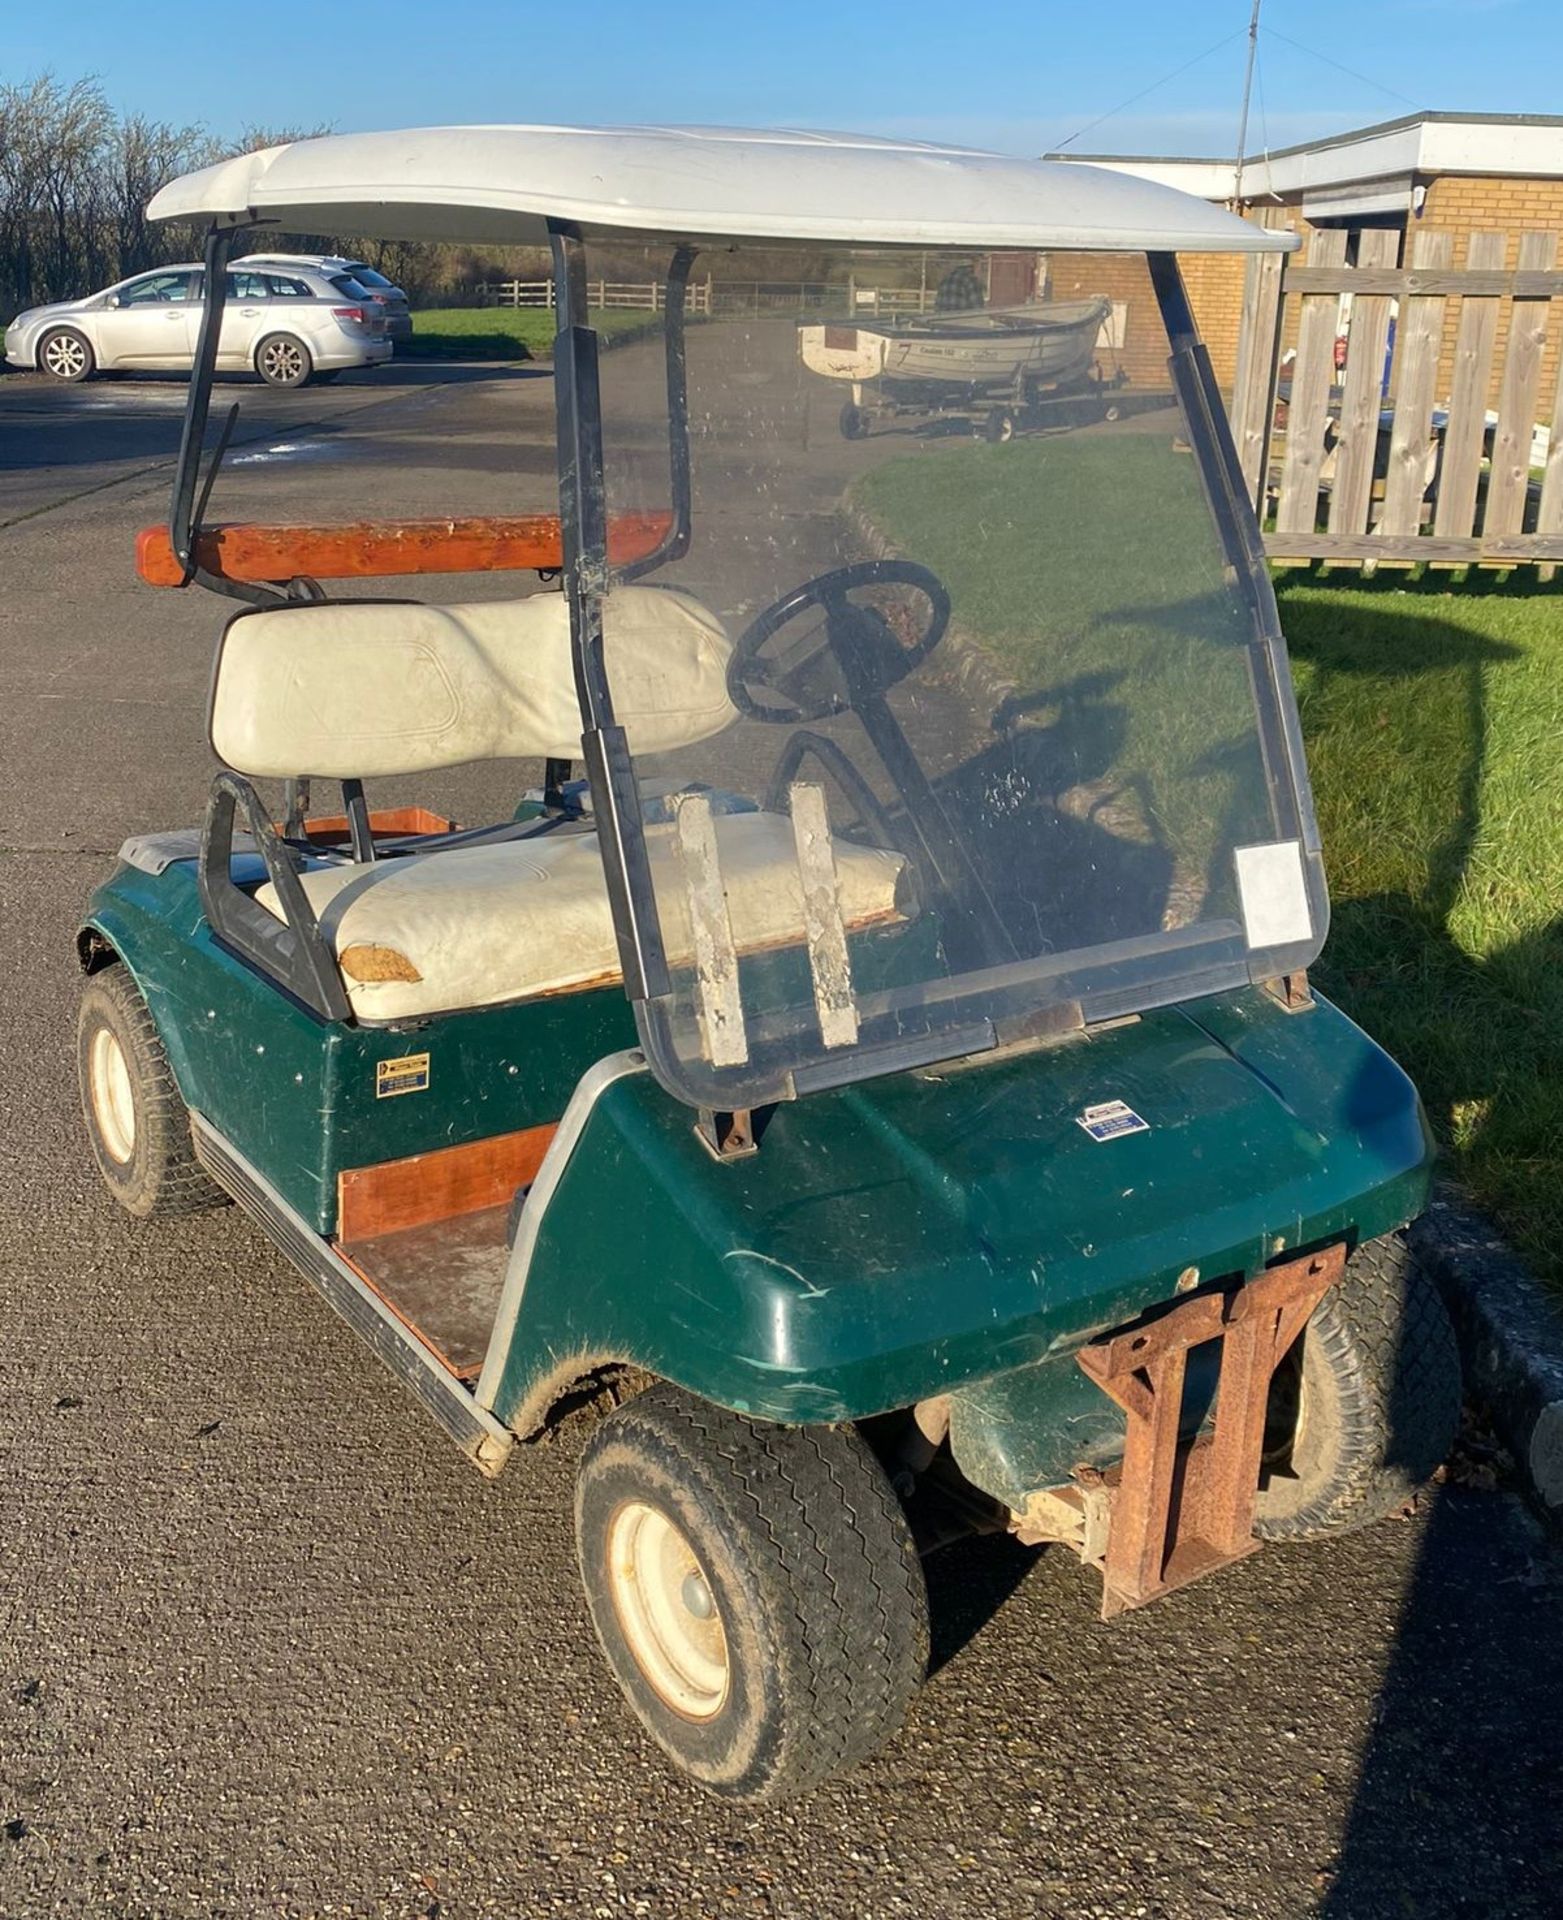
{"x":1274,"y":894}
{"x":1111,"y":1120}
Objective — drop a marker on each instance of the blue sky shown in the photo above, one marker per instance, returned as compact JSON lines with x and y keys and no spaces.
{"x":1020,"y":77}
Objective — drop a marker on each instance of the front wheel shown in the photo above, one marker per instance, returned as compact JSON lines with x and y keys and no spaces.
{"x":999,"y":427}
{"x":282,"y":361}
{"x":66,"y":355}
{"x":755,"y":1589}
{"x":1365,"y":1406}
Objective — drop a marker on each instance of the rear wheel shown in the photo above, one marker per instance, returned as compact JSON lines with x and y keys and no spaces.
{"x":755,"y":1589}
{"x":999,"y":426}
{"x":137,"y":1123}
{"x":66,"y":355}
{"x":282,"y":361}
{"x":1365,"y":1406}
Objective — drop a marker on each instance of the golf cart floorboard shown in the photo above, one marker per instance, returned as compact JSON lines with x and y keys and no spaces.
{"x":441,"y":1278}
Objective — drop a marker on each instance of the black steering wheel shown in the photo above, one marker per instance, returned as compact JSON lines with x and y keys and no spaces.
{"x":854,"y":657}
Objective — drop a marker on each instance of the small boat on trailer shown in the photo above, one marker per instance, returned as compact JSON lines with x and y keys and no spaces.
{"x":995,"y":362}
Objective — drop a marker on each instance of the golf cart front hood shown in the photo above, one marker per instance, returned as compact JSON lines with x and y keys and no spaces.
{"x":896,"y":1239}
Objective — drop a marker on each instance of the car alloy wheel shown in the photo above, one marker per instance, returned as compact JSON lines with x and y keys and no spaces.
{"x":283,"y":363}
{"x":66,"y":356}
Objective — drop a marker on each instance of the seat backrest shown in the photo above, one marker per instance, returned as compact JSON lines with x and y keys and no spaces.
{"x":359,"y":689}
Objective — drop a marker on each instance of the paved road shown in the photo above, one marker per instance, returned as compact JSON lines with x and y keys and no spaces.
{"x":269,"y":1648}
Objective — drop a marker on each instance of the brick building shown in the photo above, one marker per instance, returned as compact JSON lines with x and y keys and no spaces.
{"x":1450,"y":172}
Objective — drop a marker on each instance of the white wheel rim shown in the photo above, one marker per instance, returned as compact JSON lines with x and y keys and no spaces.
{"x":667,"y":1611}
{"x":283,"y":361}
{"x":1286,"y":1450}
{"x":113,"y":1102}
{"x":65,"y":356}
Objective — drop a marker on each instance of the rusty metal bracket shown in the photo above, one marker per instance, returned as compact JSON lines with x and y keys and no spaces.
{"x":1182,"y":1508}
{"x":731,"y":1136}
{"x":1290,"y":990}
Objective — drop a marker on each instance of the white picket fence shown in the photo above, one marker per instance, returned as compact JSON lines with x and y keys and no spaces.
{"x":721,"y":296}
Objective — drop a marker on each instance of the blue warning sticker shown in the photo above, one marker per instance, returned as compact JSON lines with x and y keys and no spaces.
{"x":1111,"y":1120}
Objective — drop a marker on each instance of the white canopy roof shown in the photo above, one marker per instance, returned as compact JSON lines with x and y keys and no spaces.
{"x":503,"y":184}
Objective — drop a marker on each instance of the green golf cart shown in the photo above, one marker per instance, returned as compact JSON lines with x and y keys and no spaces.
{"x":872,"y":1050}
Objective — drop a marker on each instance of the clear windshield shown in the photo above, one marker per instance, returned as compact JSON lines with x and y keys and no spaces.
{"x":954,"y":724}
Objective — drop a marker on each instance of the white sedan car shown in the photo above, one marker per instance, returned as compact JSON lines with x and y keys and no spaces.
{"x":286,"y":325}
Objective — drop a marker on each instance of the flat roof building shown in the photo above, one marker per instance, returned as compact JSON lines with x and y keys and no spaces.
{"x":1458,"y":173}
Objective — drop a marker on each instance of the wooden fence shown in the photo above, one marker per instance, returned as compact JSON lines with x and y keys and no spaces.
{"x":1425,"y":446}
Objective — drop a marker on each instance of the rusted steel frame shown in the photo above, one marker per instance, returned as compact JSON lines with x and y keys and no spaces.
{"x":1181,"y":1509}
{"x":375,"y":549}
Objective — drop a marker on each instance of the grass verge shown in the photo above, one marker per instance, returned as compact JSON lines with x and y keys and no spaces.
{"x":1433,"y":713}
{"x":506,"y":333}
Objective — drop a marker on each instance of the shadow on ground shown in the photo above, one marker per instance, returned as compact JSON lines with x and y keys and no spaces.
{"x":1458,"y":1809}
{"x":1458,"y":1812}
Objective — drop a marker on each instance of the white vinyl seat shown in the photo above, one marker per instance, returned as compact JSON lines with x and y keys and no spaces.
{"x":478,"y":926}
{"x":356,"y":690}
{"x":359,"y":689}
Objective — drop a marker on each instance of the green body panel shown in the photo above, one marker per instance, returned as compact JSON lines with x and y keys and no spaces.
{"x":298,"y":1097}
{"x":926,"y":1232}
{"x":949,"y":1230}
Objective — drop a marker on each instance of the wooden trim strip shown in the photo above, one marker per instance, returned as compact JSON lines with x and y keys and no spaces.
{"x":437,"y":1186}
{"x":384,"y":822}
{"x":376,"y":549}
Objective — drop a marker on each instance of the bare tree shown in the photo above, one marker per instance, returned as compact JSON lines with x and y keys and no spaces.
{"x":145,"y":155}
{"x":75,"y":179}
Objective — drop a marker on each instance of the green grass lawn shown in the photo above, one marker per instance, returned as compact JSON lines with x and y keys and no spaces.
{"x":1434,"y":718}
{"x":1088,"y":567}
{"x":504,"y":333}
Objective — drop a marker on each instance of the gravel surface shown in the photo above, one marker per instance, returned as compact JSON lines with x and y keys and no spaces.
{"x":268,"y":1647}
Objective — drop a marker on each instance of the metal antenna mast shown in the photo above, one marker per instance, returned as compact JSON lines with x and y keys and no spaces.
{"x":1248,"y":87}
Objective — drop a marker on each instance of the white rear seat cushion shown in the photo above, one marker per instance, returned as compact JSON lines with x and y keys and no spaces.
{"x":474,"y":926}
{"x":354,"y":690}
